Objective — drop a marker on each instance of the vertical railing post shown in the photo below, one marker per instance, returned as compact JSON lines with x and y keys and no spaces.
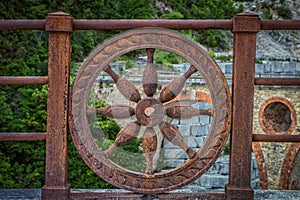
{"x":245,"y":28}
{"x":59,"y":26}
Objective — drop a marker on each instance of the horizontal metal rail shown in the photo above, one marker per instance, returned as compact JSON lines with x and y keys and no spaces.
{"x":21,"y":136}
{"x":275,"y":138}
{"x":124,"y":24}
{"x":22,"y":24}
{"x":87,"y":194}
{"x":23,"y":80}
{"x":277,"y":81}
{"x":280,"y":25}
{"x":170,"y":24}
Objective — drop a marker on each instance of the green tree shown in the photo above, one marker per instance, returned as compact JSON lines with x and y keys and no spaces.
{"x":203,"y":9}
{"x":23,"y":107}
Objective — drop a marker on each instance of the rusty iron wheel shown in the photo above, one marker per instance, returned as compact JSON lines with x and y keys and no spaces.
{"x":150,"y":111}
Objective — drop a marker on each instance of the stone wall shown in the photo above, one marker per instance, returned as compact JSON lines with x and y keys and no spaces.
{"x":274,"y":160}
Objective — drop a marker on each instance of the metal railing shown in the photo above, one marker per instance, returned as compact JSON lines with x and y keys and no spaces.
{"x":60,"y":26}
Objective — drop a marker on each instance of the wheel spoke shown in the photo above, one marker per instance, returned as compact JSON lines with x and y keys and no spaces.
{"x":186,"y":112}
{"x":125,"y":135}
{"x":118,"y":111}
{"x":149,"y":145}
{"x":172,"y":89}
{"x":150,"y":80}
{"x":127,"y":89}
{"x":173,"y":135}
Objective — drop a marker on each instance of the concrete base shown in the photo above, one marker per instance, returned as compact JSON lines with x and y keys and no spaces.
{"x":35,"y":194}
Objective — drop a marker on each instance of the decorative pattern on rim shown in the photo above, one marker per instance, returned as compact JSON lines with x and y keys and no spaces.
{"x":99,"y":60}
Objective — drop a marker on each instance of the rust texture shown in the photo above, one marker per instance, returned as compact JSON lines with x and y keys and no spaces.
{"x":150,"y":111}
{"x":22,"y":136}
{"x":277,"y":116}
{"x":56,"y":186}
{"x":275,"y":138}
{"x":262,"y":170}
{"x":277,"y":81}
{"x":82,"y":195}
{"x":130,"y":24}
{"x":287,"y":166}
{"x":245,"y":28}
{"x":23,"y":79}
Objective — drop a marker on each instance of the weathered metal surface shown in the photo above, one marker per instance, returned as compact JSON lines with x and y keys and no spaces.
{"x":186,"y":112}
{"x":150,"y":80}
{"x":125,"y":135}
{"x":56,"y":184}
{"x":59,"y":26}
{"x":150,"y":112}
{"x":127,"y":89}
{"x":170,"y":24}
{"x":275,"y":138}
{"x":23,"y":79}
{"x":245,"y":28}
{"x":172,"y":89}
{"x":173,"y":135}
{"x":277,"y":116}
{"x":131,"y":24}
{"x":280,"y":24}
{"x":90,"y":194}
{"x":22,"y":24}
{"x":118,"y":111}
{"x":277,"y":81}
{"x":22,"y":136}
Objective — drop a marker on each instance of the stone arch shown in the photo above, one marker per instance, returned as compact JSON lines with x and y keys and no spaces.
{"x":262,"y":170}
{"x":284,"y":108}
{"x":277,"y":116}
{"x":287,"y":165}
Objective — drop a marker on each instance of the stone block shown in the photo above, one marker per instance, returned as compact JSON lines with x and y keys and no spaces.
{"x":259,"y":68}
{"x":205,"y":119}
{"x":222,"y":66}
{"x":268,"y":67}
{"x":185,"y":130}
{"x":172,"y":163}
{"x":202,"y":105}
{"x":277,"y":67}
{"x":286,"y":67}
{"x":199,"y":140}
{"x":190,"y":141}
{"x":212,"y":181}
{"x":168,"y":145}
{"x":228,"y":68}
{"x":175,"y":154}
{"x":199,"y":130}
{"x":254,"y":164}
{"x":255,"y":183}
{"x":175,"y":122}
{"x":220,"y":167}
{"x":297,"y":66}
{"x":194,"y":120}
{"x":292,"y":67}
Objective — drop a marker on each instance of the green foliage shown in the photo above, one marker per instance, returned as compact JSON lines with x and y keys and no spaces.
{"x":284,"y":12}
{"x":25,"y":165}
{"x":166,"y":58}
{"x":203,"y":9}
{"x":79,"y":174}
{"x":173,"y":15}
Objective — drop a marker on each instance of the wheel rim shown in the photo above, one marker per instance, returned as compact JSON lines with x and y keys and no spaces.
{"x":97,"y":160}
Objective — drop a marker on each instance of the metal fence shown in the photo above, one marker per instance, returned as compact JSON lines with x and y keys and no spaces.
{"x":60,"y":26}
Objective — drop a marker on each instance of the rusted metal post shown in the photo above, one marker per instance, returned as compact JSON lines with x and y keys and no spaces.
{"x":59,"y":26}
{"x":245,"y":28}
